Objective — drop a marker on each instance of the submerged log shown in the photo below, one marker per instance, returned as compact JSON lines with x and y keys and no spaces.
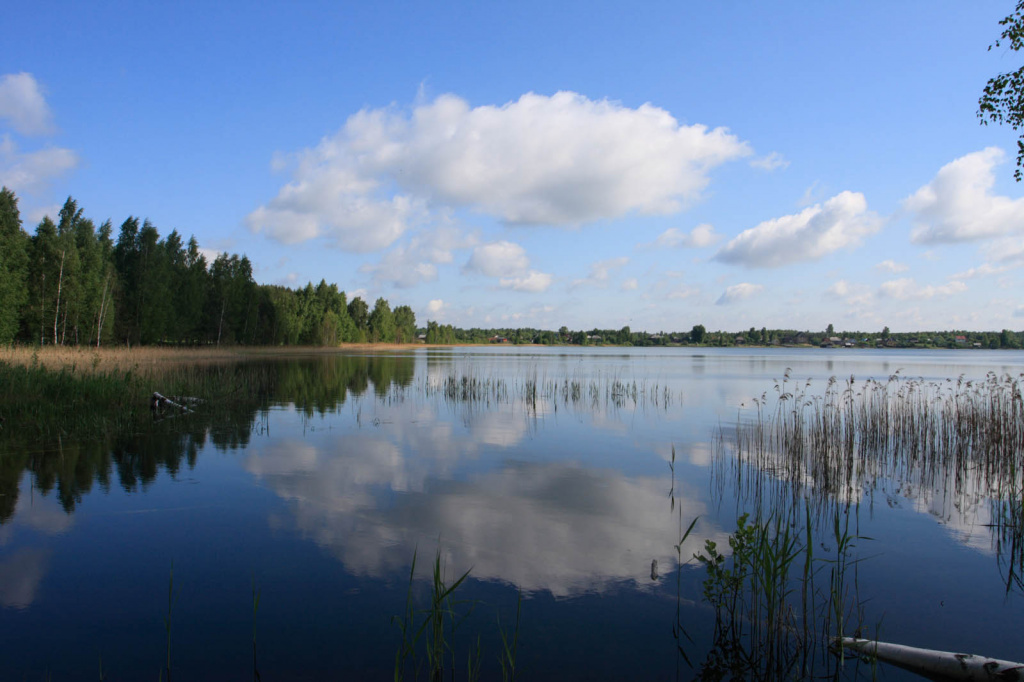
{"x":158,"y":401}
{"x":937,"y":665}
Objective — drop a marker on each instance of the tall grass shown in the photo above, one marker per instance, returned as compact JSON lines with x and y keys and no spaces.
{"x":774,"y":619}
{"x":533,"y":392}
{"x":958,"y":437}
{"x":40,"y":402}
{"x":428,"y":632}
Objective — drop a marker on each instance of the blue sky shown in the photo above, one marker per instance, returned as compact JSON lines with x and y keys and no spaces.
{"x":588,"y":164}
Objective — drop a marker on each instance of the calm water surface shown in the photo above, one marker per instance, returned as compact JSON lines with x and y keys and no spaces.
{"x":321,"y":499}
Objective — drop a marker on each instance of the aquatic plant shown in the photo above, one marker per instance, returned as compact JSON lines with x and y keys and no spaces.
{"x":959,"y":437}
{"x":427,"y":644}
{"x":771,"y":620}
{"x":565,"y":392}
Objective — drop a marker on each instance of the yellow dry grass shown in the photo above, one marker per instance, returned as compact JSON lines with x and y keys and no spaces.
{"x":121,"y":358}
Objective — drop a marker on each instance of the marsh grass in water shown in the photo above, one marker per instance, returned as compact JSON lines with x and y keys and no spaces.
{"x":773,"y":617}
{"x":427,"y":649}
{"x":43,"y":402}
{"x":565,"y":392}
{"x":963,"y":439}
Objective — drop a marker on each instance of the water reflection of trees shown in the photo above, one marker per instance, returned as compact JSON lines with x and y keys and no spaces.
{"x":170,"y":441}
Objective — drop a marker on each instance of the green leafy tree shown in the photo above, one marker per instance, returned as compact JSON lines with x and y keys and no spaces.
{"x":359,"y":311}
{"x":1002,"y":100}
{"x":382,"y":322}
{"x":405,"y":324}
{"x":44,"y":269}
{"x":14,"y":255}
{"x":698,"y":333}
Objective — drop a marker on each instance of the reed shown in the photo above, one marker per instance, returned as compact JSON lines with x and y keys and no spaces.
{"x":564,"y":392}
{"x":960,"y":437}
{"x":771,"y":621}
{"x":428,"y":633}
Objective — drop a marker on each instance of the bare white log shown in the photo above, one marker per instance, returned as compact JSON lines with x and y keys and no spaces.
{"x":56,"y":311}
{"x":937,"y":665}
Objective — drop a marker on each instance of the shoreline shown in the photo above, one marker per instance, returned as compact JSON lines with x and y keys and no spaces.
{"x":88,"y":359}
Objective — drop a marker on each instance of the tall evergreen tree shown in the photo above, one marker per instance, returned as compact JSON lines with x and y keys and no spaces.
{"x":45,"y":272}
{"x":14,"y":247}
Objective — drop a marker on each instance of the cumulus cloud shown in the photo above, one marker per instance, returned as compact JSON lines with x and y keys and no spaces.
{"x":630,"y":284}
{"x":336,"y":205}
{"x":770,"y":162}
{"x":841,"y":222}
{"x":498,"y":259}
{"x":699,"y":237}
{"x":600,"y":271}
{"x":32,"y":171}
{"x":532,"y":282}
{"x":907,"y":289}
{"x":739,"y":292}
{"x":558,"y":160}
{"x":23,"y":106}
{"x":435,"y":306}
{"x":508,"y":262}
{"x":891,"y":266}
{"x":958,"y":204}
{"x":415,"y":262}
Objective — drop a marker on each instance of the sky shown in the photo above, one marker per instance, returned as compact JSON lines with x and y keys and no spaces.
{"x":535,"y":164}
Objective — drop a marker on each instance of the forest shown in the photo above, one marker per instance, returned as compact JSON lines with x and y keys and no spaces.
{"x":75,"y":283}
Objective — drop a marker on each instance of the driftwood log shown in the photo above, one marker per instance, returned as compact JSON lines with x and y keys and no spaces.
{"x":158,"y":401}
{"x":936,"y":665}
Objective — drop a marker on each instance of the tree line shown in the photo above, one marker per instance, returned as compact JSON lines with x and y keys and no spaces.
{"x":73,"y":283}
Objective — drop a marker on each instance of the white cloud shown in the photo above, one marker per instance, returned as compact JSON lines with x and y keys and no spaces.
{"x":336,"y":205}
{"x":37,"y":214}
{"x":498,"y":259}
{"x":739,"y":292}
{"x":812,"y":195}
{"x":907,"y":289}
{"x":682,"y":292}
{"x":841,"y":222}
{"x":533,"y":282}
{"x":558,"y":160}
{"x":600,"y":271}
{"x":983,"y":270}
{"x":210,"y":254}
{"x":891,"y":266}
{"x":958,"y":204}
{"x":416,"y":262}
{"x":630,"y":284}
{"x":770,"y":162}
{"x":32,"y":171}
{"x":699,"y":237}
{"x":23,"y":105}
{"x":435,"y":306}
{"x":1006,"y":250}
{"x":853,"y":294}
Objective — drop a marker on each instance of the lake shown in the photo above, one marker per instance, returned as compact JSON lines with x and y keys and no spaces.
{"x":561,"y":479}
